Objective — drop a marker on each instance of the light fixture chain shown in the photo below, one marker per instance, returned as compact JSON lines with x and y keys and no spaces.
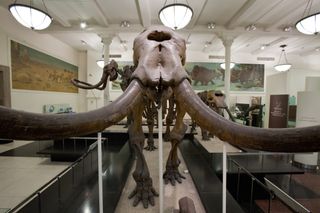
{"x":285,"y":56}
{"x":310,"y":6}
{"x":31,"y":14}
{"x":280,"y":56}
{"x":307,"y":9}
{"x":45,"y":7}
{"x":174,"y":15}
{"x":165,"y":3}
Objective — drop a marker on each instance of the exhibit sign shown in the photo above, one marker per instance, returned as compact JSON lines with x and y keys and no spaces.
{"x":247,"y":77}
{"x":205,"y":76}
{"x":279,"y":106}
{"x":35,"y":70}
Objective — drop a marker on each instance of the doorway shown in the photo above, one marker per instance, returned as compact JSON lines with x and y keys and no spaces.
{"x":5,"y":94}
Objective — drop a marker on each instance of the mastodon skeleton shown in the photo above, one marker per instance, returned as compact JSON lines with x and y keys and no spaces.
{"x":150,"y":108}
{"x":215,"y":100}
{"x":159,"y":56}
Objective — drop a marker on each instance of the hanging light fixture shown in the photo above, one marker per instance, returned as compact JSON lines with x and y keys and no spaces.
{"x":223,"y":65}
{"x":100,"y":62}
{"x":282,"y":67}
{"x":176,"y":15}
{"x":29,"y":16}
{"x":309,"y":24}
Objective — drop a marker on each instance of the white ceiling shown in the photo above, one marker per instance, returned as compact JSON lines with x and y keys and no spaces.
{"x":230,"y":16}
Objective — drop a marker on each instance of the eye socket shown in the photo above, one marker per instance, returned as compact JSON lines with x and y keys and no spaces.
{"x":159,"y":36}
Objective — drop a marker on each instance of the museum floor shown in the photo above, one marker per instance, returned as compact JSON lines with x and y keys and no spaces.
{"x":22,"y":172}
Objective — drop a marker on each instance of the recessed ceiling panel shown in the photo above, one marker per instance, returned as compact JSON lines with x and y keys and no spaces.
{"x":120,"y":10}
{"x":219,"y":11}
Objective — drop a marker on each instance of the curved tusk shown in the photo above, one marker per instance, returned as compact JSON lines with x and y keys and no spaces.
{"x":85,"y":85}
{"x":16,"y":124}
{"x":306,"y":139}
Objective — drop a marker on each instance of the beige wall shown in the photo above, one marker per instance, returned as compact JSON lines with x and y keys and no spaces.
{"x":33,"y":101}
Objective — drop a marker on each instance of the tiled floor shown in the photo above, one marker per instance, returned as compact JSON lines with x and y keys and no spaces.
{"x":21,"y":176}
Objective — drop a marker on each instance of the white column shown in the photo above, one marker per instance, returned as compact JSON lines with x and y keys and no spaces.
{"x":227,"y":42}
{"x":106,"y":40}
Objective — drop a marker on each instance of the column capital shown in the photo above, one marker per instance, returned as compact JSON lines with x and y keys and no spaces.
{"x":106,"y":39}
{"x":226,"y":38}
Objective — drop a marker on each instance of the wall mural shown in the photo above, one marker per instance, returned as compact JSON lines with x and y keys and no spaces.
{"x":116,"y":83}
{"x":34,"y":70}
{"x":205,"y":76}
{"x":247,"y":77}
{"x":210,"y":76}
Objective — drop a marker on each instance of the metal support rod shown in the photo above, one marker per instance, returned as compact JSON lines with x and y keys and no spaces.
{"x":160,"y":159}
{"x":238,"y":184}
{"x":251,"y":195}
{"x":224,"y":179}
{"x":269,"y":204}
{"x":100,"y":174}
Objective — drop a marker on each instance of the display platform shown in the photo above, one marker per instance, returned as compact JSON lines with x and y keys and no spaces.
{"x":244,"y":170}
{"x":4,"y":141}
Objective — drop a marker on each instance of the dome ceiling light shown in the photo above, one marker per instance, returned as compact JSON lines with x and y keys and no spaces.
{"x":309,"y":24}
{"x":100,"y":62}
{"x":285,"y":66}
{"x":29,"y":16}
{"x":176,"y":15}
{"x":223,"y":65}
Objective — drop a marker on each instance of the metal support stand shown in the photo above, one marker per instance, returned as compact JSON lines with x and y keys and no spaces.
{"x":100,"y":173}
{"x":160,"y":148}
{"x":224,"y":179}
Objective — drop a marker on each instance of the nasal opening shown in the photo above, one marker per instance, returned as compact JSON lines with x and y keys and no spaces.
{"x":159,"y":36}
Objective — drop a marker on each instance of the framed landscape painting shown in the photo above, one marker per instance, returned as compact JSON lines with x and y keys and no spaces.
{"x":247,"y":77}
{"x":35,"y":70}
{"x":205,"y":76}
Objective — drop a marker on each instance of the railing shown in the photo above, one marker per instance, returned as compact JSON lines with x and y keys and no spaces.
{"x":272,"y":190}
{"x":57,"y":178}
{"x":292,"y":203}
{"x":253,"y":180}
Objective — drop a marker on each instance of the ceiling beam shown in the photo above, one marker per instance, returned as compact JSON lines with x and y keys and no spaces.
{"x":287,"y":17}
{"x":271,"y":44}
{"x":101,"y":14}
{"x":245,"y":43}
{"x":144,"y":12}
{"x":233,"y":21}
{"x":63,"y":22}
{"x":299,"y":43}
{"x":193,"y":23}
{"x":309,"y":52}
